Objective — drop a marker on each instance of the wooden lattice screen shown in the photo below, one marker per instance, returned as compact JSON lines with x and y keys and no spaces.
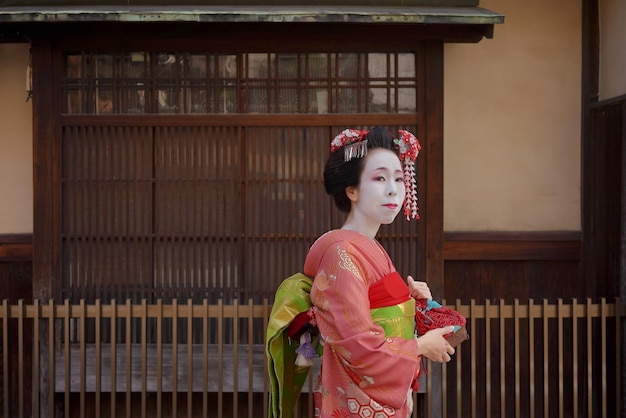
{"x":170,"y":204}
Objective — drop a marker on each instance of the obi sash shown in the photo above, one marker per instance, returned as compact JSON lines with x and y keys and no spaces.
{"x":392,"y":306}
{"x":285,"y":377}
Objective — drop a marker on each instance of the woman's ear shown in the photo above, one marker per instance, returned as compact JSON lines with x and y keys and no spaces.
{"x":352,"y":193}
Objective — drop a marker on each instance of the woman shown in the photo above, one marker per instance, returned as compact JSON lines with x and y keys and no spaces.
{"x":363,"y":308}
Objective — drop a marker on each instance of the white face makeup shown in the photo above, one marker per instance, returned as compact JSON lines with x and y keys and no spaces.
{"x":378,"y":198}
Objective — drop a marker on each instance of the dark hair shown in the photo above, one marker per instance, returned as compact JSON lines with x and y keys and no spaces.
{"x":340,"y":174}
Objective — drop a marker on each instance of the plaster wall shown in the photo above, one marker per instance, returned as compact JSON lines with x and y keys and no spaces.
{"x":16,"y":143}
{"x":612,"y":51}
{"x":512,"y":122}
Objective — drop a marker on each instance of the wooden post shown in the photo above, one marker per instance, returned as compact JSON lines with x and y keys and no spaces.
{"x":46,"y":186}
{"x":431,"y":239}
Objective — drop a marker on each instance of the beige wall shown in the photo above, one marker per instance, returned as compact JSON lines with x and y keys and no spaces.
{"x":512,"y":122}
{"x":16,"y":145}
{"x":613,"y":50}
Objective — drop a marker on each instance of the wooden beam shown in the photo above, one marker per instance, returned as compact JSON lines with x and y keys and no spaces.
{"x":490,"y":246}
{"x":16,"y":247}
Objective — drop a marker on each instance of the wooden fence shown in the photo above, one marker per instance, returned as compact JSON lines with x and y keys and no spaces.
{"x":138,"y":360}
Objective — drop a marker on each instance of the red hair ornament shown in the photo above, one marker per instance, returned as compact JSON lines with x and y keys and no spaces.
{"x":409,"y":148}
{"x":352,"y":141}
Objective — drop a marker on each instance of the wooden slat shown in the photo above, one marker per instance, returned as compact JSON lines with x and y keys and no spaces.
{"x":235,"y":363}
{"x":445,"y":396}
{"x":473,"y":362}
{"x":144,"y":357}
{"x":220,"y":360}
{"x":516,"y":351}
{"x":113,"y":348}
{"x":459,"y":376}
{"x":83,"y":361}
{"x":251,"y":359}
{"x":488,"y":367}
{"x":531,"y":361}
{"x":546,"y":359}
{"x":98,"y":332}
{"x":575,"y":361}
{"x":559,"y":331}
{"x":589,"y":331}
{"x":190,"y":364}
{"x":603,"y":359}
{"x":5,"y":356}
{"x":159,"y":359}
{"x":429,"y":382}
{"x":502,"y":345}
{"x":129,"y":359}
{"x":220,"y":310}
{"x":266,"y":310}
{"x":66,"y":359}
{"x":51,"y":358}
{"x":36,"y":360}
{"x":20,"y":356}
{"x":619,"y":390}
{"x":205,"y":358}
{"x":238,"y":119}
{"x":174,"y":375}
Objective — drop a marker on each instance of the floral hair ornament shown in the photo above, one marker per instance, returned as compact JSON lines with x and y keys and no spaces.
{"x":409,"y":148}
{"x":352,"y":142}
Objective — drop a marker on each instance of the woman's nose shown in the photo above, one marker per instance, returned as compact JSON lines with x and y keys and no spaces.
{"x":392,"y":189}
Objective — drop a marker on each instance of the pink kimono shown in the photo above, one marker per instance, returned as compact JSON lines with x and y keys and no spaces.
{"x":367,"y":369}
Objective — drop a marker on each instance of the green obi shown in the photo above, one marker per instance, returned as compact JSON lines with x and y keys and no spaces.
{"x":397,"y":320}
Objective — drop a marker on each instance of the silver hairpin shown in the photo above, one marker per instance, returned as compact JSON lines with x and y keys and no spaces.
{"x":356,"y":150}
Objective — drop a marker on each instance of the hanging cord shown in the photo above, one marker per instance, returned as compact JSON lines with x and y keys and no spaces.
{"x":29,"y":77}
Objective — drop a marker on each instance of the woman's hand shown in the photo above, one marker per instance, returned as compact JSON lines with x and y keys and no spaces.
{"x":434,"y":346}
{"x":419,"y":290}
{"x":431,"y":345}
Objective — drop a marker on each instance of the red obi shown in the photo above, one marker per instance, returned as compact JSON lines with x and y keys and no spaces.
{"x":388,"y":291}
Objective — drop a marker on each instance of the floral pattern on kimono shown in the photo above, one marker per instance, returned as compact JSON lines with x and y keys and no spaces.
{"x":365,"y":373}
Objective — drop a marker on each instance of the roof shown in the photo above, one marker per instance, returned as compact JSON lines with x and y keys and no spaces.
{"x":269,"y":14}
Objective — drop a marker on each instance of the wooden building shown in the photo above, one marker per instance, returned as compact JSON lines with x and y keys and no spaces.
{"x":177,"y":150}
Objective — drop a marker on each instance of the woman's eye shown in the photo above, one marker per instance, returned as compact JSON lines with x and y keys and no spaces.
{"x":400,"y":179}
{"x":379,"y":178}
